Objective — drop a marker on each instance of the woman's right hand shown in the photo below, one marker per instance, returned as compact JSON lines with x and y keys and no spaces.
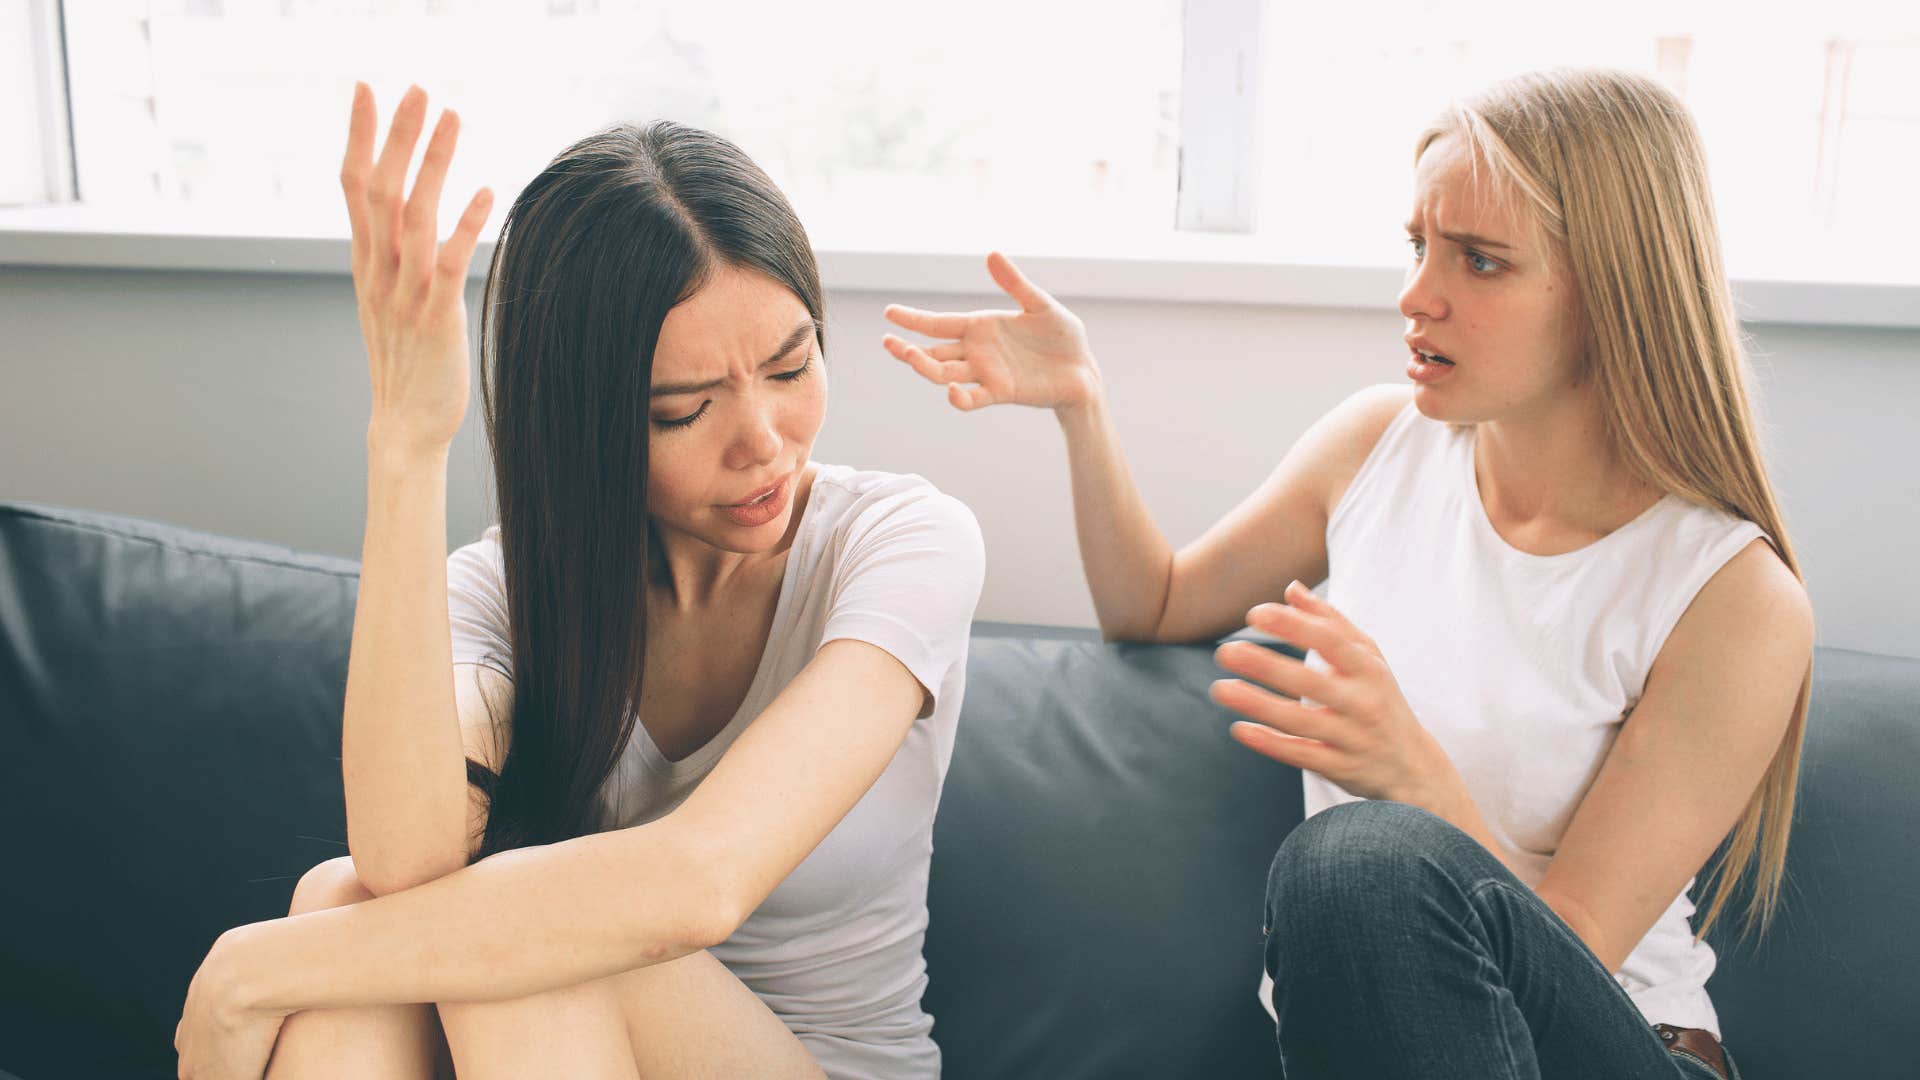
{"x":1035,"y":356}
{"x":411,"y":292}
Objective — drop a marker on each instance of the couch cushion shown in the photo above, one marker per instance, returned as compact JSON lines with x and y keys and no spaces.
{"x":1831,"y":988}
{"x":1100,"y":859}
{"x":169,"y":765}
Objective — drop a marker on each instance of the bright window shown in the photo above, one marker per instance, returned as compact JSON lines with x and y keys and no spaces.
{"x":1811,"y":120}
{"x":1050,"y":125}
{"x":880,"y":120}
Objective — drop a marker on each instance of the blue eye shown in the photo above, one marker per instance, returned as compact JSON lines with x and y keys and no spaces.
{"x":1419,"y":247}
{"x":1474,"y":258}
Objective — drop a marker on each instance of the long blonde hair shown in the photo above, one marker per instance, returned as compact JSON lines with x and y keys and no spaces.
{"x":1611,"y":165}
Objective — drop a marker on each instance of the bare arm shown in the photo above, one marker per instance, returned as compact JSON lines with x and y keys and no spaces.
{"x":400,"y":749}
{"x":1689,"y":758}
{"x":1142,"y":589}
{"x":534,"y":919}
{"x":401,"y":754}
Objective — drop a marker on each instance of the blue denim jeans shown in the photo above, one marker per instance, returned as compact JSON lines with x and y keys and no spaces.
{"x":1400,"y":947}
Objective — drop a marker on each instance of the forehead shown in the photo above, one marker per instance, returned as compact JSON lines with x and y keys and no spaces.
{"x":1465,"y":193}
{"x":736,"y":316}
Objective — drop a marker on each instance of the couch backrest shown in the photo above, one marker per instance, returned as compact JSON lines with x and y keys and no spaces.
{"x":169,"y":766}
{"x":1124,"y":786}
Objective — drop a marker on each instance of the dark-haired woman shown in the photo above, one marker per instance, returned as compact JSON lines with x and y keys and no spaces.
{"x":557,"y":867}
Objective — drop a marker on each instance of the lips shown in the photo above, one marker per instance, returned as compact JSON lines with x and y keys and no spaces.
{"x":1427,"y":351}
{"x":759,"y":495}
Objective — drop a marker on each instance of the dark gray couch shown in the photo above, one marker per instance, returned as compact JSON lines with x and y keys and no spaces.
{"x":169,"y":739}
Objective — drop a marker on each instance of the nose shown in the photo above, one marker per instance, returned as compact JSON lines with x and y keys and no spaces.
{"x":1420,"y":296}
{"x":757,"y":442}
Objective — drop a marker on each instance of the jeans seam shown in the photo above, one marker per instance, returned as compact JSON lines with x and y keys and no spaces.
{"x":1704,"y":1063}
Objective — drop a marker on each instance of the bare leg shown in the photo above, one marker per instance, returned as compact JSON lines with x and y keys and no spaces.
{"x":688,"y":1019}
{"x":378,"y":1042}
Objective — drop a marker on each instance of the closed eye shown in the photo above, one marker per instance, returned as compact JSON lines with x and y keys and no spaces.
{"x":685,"y":421}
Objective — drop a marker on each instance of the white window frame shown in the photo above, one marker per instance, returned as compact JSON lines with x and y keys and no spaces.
{"x":1211,"y":257}
{"x":35,"y":106}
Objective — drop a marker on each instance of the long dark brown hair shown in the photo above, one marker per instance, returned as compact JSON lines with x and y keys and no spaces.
{"x":615,"y":231}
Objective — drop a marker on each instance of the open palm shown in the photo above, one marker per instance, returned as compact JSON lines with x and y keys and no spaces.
{"x":1035,"y":356}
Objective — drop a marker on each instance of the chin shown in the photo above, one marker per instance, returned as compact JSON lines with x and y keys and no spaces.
{"x":1435,"y":406}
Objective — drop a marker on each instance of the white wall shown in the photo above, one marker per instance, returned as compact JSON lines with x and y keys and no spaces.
{"x":237,"y":403}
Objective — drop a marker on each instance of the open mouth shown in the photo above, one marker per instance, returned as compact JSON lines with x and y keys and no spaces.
{"x":1433,"y":358}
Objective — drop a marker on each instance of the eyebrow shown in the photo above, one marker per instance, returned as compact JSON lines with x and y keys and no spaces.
{"x":1464,"y":239}
{"x":800,"y":333}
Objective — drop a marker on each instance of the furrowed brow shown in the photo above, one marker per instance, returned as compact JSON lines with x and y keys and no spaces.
{"x":800,"y":333}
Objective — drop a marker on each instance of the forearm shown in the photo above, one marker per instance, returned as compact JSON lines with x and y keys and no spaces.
{"x":401,"y":757}
{"x":1455,"y":805}
{"x":1127,"y":560}
{"x":517,"y":923}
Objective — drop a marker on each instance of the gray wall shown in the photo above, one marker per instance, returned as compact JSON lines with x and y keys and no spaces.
{"x":237,"y":403}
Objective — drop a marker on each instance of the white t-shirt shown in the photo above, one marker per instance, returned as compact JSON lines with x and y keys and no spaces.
{"x":835,"y":950}
{"x":1522,"y":666}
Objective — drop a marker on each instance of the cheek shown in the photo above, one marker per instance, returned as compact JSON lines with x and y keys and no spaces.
{"x":669,"y":489}
{"x":806,"y":410}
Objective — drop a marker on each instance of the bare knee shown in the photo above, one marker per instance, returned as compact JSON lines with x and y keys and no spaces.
{"x":331,"y":884}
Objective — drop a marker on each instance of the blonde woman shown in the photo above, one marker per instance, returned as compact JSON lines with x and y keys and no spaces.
{"x":1564,"y":649}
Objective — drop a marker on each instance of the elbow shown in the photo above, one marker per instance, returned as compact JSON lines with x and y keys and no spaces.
{"x":701,"y":896}
{"x":383,"y":876}
{"x":713,"y":911}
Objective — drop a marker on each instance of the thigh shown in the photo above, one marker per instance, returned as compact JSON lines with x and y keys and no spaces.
{"x":374,"y":1042}
{"x":692,"y":1018}
{"x":1399,"y":946}
{"x":687,"y":1018}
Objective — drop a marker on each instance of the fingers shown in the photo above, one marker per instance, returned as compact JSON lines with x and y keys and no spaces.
{"x":389,"y":176}
{"x":942,"y":366}
{"x":1285,"y":749}
{"x":1303,"y":598}
{"x":930,"y":323}
{"x":356,"y":170}
{"x":969,"y":397}
{"x":421,"y":218}
{"x":1268,"y":668}
{"x":1328,"y":634}
{"x":450,"y":266}
{"x":1015,"y":284}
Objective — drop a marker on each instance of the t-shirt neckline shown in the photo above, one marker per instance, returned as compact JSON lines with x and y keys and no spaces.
{"x":709,"y":751}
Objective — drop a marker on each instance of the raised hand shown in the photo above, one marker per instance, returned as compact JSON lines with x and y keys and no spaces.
{"x":1359,"y":731}
{"x":1035,"y":356}
{"x":411,"y":292}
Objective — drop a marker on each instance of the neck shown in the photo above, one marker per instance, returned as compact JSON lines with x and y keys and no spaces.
{"x":1556,"y":466}
{"x":686,"y":574}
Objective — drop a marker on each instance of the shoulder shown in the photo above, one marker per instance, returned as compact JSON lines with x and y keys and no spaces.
{"x":1340,"y":442}
{"x":1751,"y":625}
{"x":864,"y":502}
{"x":1753,"y":594}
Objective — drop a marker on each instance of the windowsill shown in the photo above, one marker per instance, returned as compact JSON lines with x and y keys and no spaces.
{"x":1180,"y":269}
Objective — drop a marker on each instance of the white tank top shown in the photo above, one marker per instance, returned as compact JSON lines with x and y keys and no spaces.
{"x":1522,"y":666}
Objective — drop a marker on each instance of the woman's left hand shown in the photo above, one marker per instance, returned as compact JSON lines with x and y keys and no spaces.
{"x":219,"y":1037}
{"x":1360,"y":732}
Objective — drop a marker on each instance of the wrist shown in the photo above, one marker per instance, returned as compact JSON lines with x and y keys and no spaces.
{"x":393,"y":450}
{"x":1086,"y":400}
{"x":240,"y":985}
{"x":1440,"y":791}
